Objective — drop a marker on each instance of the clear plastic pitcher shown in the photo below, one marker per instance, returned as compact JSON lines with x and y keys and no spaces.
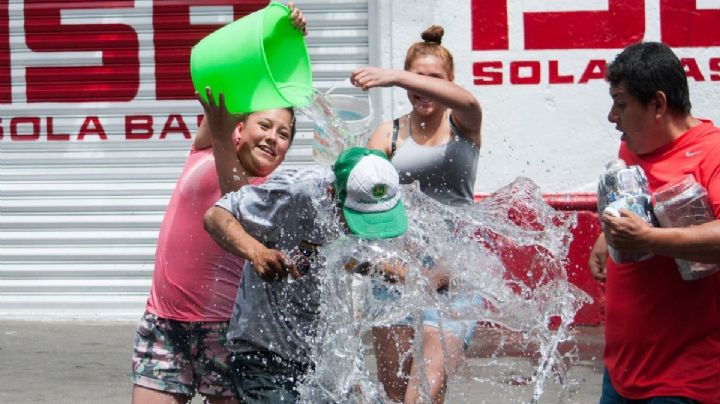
{"x":684,"y":203}
{"x":341,"y":121}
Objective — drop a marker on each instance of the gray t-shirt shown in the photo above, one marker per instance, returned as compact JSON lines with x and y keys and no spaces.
{"x":281,"y":316}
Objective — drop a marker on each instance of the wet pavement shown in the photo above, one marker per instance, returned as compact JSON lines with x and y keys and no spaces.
{"x":72,"y":362}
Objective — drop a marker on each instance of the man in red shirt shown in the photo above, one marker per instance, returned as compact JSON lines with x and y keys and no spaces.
{"x":662,"y":334}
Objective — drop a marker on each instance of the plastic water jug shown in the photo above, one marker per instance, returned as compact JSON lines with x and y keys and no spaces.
{"x":684,"y":203}
{"x":341,"y":122}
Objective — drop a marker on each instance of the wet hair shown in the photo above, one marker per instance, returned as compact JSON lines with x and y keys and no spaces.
{"x":431,"y":46}
{"x":648,"y":67}
{"x":293,"y":125}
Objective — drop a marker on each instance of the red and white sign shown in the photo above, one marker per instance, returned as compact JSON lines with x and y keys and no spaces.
{"x":98,"y":71}
{"x":682,"y":24}
{"x":538,"y":69}
{"x":115,"y":58}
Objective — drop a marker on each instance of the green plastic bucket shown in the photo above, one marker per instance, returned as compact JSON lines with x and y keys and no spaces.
{"x":259,"y":62}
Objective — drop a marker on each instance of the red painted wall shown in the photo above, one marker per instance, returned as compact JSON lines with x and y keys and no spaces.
{"x":584,"y":235}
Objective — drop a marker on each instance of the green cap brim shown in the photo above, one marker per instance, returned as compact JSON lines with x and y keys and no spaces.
{"x":388,"y":224}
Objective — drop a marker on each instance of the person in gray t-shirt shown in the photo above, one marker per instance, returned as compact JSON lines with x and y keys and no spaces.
{"x":277,"y":226}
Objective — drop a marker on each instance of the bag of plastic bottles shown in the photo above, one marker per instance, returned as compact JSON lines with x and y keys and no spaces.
{"x":684,"y":203}
{"x":625,"y":187}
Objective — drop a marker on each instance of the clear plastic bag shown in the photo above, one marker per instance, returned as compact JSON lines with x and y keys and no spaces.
{"x":625,"y":187}
{"x":684,"y":203}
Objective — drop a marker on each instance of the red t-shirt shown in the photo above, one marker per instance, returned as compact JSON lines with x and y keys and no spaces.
{"x":194,"y":278}
{"x":662,"y":334}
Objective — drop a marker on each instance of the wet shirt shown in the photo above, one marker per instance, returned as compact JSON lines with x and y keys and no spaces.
{"x":662,"y":334}
{"x":446,"y":172}
{"x":284,"y":213}
{"x":194,"y":278}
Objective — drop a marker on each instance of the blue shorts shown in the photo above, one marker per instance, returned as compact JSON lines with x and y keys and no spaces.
{"x":431,"y":316}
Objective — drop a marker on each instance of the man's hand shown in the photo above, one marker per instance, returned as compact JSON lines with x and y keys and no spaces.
{"x":598,"y":258}
{"x":272,"y":265}
{"x":629,"y":232}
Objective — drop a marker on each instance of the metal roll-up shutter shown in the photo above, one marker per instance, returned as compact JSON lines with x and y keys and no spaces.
{"x":80,"y":201}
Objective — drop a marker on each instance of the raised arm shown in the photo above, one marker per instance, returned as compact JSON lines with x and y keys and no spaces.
{"x":466,"y":111}
{"x":203,"y":138}
{"x":219,"y":126}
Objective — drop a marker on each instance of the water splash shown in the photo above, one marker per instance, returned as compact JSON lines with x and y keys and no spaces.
{"x":332,"y":133}
{"x":476,"y":245}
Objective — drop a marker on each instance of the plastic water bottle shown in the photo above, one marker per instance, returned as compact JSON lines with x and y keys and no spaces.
{"x":625,"y":187}
{"x":684,"y":203}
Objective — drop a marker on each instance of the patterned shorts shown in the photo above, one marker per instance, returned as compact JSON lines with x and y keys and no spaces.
{"x":182,"y":357}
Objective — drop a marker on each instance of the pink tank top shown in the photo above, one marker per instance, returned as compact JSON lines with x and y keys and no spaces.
{"x":194,"y":278}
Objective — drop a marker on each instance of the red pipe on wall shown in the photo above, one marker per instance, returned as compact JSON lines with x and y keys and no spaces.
{"x":572,"y":202}
{"x":579,"y":201}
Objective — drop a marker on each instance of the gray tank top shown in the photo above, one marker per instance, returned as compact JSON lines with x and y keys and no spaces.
{"x":446,"y":172}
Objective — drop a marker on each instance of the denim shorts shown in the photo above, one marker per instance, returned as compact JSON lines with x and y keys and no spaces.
{"x":431,"y":316}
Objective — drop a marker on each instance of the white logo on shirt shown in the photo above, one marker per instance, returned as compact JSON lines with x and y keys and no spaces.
{"x":690,"y":154}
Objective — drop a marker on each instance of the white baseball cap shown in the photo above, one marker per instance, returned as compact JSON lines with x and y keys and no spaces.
{"x":368,"y":187}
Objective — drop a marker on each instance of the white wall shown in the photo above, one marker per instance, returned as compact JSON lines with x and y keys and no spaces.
{"x":557,"y":135}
